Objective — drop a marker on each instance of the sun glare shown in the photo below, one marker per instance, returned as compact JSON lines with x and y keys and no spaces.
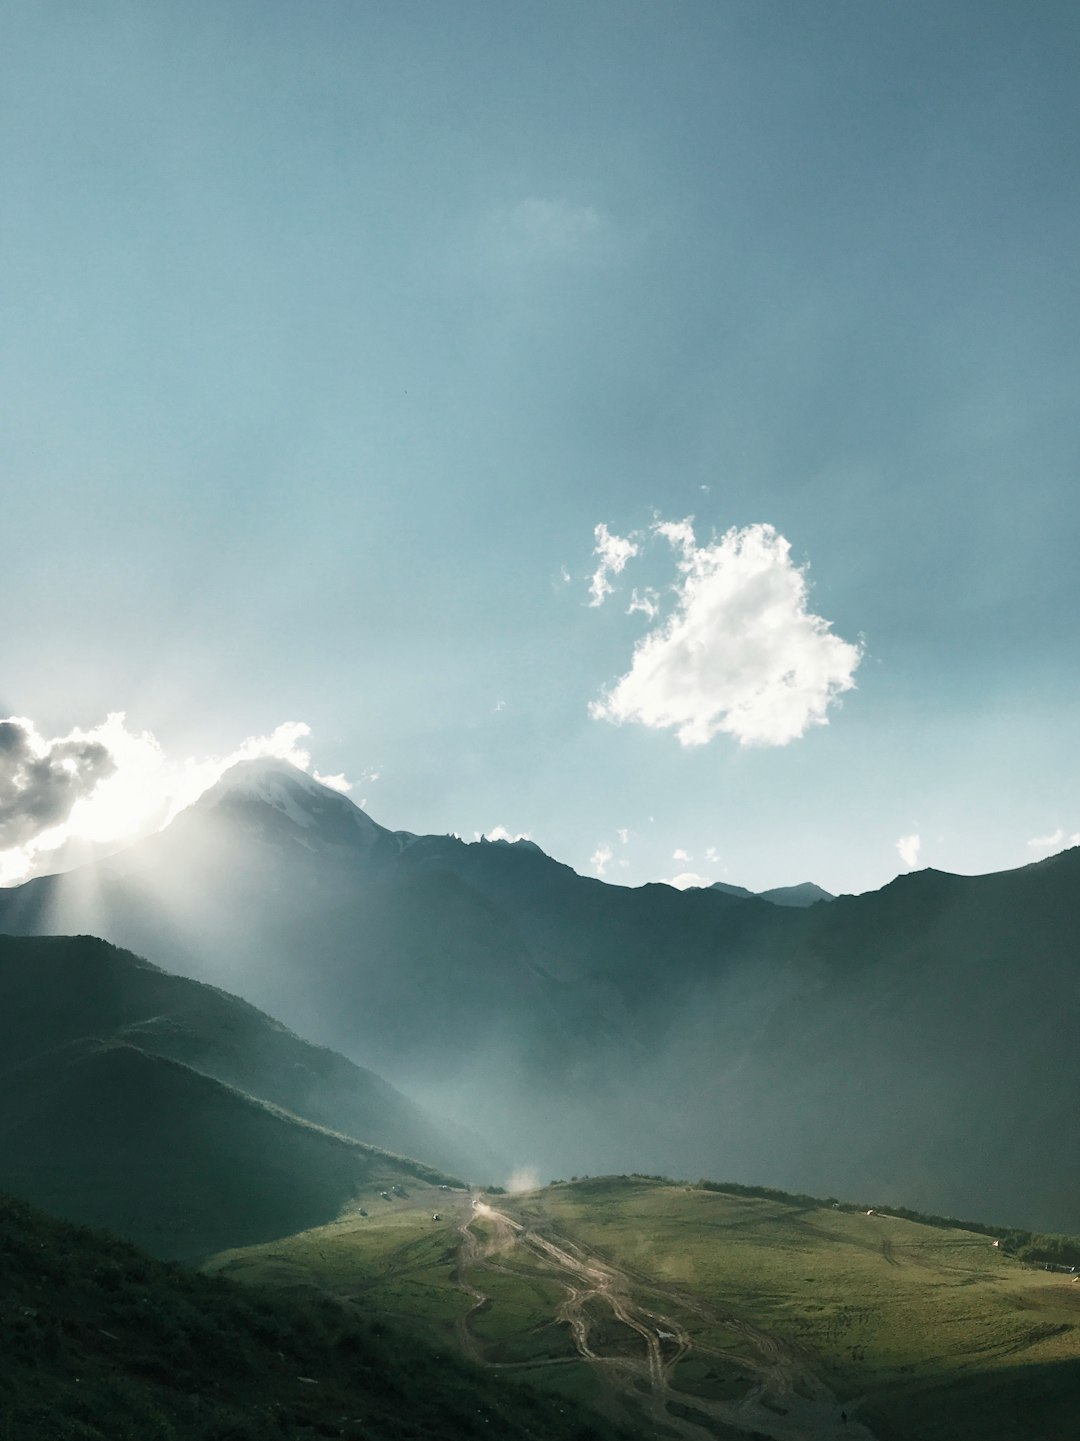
{"x":142,"y":794}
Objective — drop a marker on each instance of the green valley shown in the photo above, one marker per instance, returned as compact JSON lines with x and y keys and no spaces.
{"x":694,"y":1312}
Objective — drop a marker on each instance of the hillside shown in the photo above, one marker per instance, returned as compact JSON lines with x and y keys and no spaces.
{"x":102,"y":1343}
{"x":708,"y":1312}
{"x":915,"y":1043}
{"x":102,"y":1122}
{"x":57,"y":990}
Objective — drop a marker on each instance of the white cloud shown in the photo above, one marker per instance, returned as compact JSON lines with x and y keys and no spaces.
{"x":601,"y":859}
{"x":688,"y":880}
{"x":681,"y":855}
{"x":740,"y":654}
{"x":624,"y":835}
{"x":908,"y":849}
{"x":336,"y":783}
{"x":144,"y":790}
{"x":41,"y":781}
{"x":712,"y":855}
{"x":614,"y":551}
{"x":646,"y":601}
{"x":500,"y":833}
{"x":1056,"y":842}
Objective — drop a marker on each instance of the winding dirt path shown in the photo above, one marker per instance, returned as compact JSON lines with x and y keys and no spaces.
{"x":785,"y":1403}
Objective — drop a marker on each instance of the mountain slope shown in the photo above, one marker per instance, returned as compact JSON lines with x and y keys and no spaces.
{"x":110,"y":1136}
{"x":129,"y":1099}
{"x":57,"y":990}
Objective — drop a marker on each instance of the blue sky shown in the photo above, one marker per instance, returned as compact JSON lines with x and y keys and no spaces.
{"x":332,"y":333}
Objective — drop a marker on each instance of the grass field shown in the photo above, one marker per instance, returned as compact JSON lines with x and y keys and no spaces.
{"x":694,"y":1312}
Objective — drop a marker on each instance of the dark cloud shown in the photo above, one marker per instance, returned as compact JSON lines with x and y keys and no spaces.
{"x":38,"y":790}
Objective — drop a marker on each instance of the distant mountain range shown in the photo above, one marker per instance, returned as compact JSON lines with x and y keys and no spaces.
{"x":179,"y":1115}
{"x":800,"y":896}
{"x":915,"y":1044}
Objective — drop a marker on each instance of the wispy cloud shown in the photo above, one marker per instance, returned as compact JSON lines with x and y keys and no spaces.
{"x":601,"y":858}
{"x":908,"y":850}
{"x":741,"y":654}
{"x":554,"y":227}
{"x":646,"y":601}
{"x":1055,"y":842}
{"x":614,"y":551}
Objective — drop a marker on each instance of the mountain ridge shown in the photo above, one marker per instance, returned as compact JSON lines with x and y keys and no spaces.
{"x":911,"y":1043}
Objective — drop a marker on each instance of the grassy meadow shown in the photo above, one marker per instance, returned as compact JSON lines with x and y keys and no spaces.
{"x":762,"y":1306}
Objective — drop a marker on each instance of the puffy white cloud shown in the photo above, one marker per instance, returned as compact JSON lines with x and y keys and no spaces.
{"x":614,"y":551}
{"x":712,"y":855}
{"x":40,"y":780}
{"x":680,"y":855}
{"x":908,"y":849}
{"x":601,"y":859}
{"x":688,"y":880}
{"x":1055,"y":842}
{"x":740,"y":654}
{"x":138,"y":788}
{"x":623,"y":833}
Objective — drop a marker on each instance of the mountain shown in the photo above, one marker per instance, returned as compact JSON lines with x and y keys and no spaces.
{"x":176,"y":1114}
{"x":914,"y":1044}
{"x":729,"y":890}
{"x":806,"y":894}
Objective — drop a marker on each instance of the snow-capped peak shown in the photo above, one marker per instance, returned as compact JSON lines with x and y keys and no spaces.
{"x":275,"y":782}
{"x":295,"y":796}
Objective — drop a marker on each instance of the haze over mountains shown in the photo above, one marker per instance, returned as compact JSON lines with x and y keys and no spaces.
{"x":913,"y":1045}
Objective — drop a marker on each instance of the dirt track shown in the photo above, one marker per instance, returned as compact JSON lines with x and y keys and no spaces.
{"x":786,"y":1402}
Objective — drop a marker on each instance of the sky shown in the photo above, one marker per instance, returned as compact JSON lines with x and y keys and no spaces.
{"x":651,"y":429}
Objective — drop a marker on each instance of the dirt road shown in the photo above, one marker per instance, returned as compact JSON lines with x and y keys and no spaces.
{"x":785,"y":1402}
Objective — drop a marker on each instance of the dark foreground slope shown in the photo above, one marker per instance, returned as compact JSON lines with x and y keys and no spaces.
{"x":102,"y":1343}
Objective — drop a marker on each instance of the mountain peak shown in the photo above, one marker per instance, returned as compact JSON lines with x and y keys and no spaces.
{"x":304,"y":804}
{"x":266,"y":778}
{"x":806,"y":893}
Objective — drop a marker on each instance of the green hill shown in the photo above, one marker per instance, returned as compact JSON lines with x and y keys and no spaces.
{"x":673,"y":1305}
{"x":102,"y":1343}
{"x":58,"y":989}
{"x":97,"y":1126}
